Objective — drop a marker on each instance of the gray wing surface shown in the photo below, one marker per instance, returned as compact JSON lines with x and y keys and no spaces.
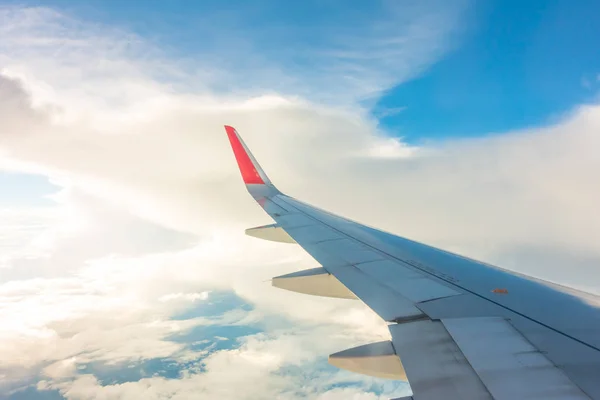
{"x":459,"y":328}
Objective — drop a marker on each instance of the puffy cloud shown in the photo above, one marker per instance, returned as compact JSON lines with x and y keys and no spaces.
{"x":20,"y":226}
{"x":541,"y":181}
{"x":123,"y":309}
{"x":16,"y":112}
{"x":184,"y":296}
{"x":242,"y":372}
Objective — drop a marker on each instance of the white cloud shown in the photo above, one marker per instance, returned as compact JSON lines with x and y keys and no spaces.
{"x":184,"y":296}
{"x":152,"y":212}
{"x":20,"y":226}
{"x":117,"y":309}
{"x":242,"y":372}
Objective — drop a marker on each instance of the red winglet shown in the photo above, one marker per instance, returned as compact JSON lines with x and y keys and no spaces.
{"x":247,"y":168}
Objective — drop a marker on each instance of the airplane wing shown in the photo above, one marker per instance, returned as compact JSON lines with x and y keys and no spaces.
{"x":460,"y":329}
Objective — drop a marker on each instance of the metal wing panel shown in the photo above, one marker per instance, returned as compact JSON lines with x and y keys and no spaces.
{"x":311,"y":234}
{"x":411,"y":284}
{"x":474,"y":358}
{"x":349,"y":251}
{"x":338,"y":255}
{"x":389,"y":305}
{"x":294,"y":220}
{"x":333,"y":248}
{"x":434,"y":365}
{"x":271,"y":207}
{"x":500,"y":354}
{"x":574,"y":358}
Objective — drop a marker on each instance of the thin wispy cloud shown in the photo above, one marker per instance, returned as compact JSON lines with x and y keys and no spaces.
{"x":355,"y":55}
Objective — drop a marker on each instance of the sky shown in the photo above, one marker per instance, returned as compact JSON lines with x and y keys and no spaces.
{"x":124,"y":269}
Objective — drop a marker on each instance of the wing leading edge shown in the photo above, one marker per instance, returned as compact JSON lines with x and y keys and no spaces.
{"x":459,"y":328}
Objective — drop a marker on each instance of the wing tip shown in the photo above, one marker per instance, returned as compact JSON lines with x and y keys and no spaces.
{"x":249,"y":168}
{"x":229,"y":128}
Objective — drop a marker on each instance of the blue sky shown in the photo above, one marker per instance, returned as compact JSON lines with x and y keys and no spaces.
{"x":510,"y":65}
{"x":25,"y":189}
{"x":519,"y":64}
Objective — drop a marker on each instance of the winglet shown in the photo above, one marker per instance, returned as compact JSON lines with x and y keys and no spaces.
{"x":251,"y":171}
